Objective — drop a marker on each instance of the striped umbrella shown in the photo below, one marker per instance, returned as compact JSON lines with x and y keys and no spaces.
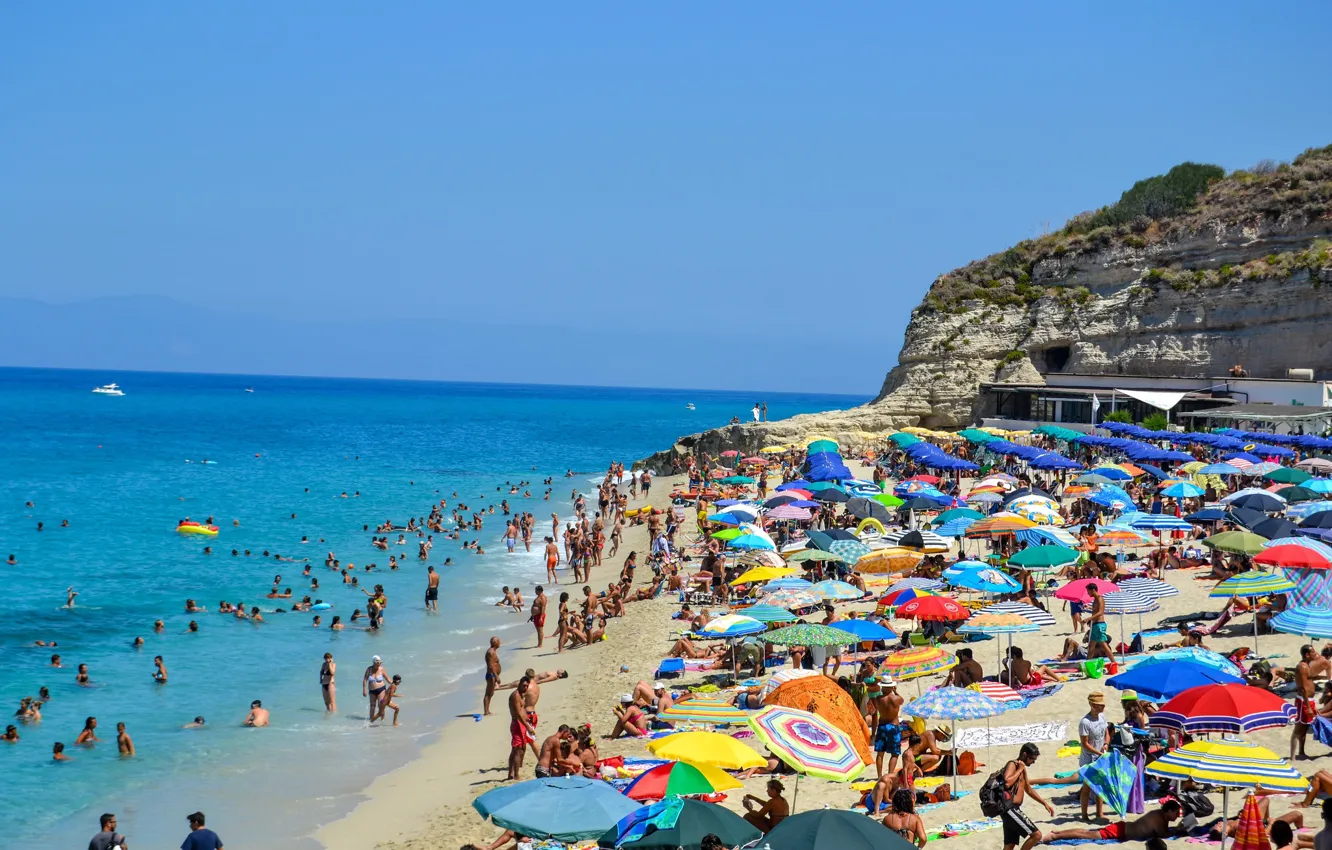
{"x":793,"y":599}
{"x":1254,"y":583}
{"x":836,"y":590}
{"x":1038,"y":616}
{"x":1232,"y":709}
{"x":1251,"y":830}
{"x":916,"y":582}
{"x":1313,"y":621}
{"x":692,"y":711}
{"x":917,"y":661}
{"x":1121,"y":537}
{"x":679,"y":779}
{"x":932,"y":542}
{"x":1312,"y":587}
{"x":788,"y":583}
{"x":998,"y":692}
{"x":789,"y":512}
{"x":1247,"y":491}
{"x":781,"y":677}
{"x":998,"y":624}
{"x":1161,"y":522}
{"x":999,"y":525}
{"x":1041,"y":513}
{"x":1043,"y":534}
{"x":1317,"y":545}
{"x":955,"y":527}
{"x":901,"y":597}
{"x":807,"y":743}
{"x":1123,"y":602}
{"x":768,"y":614}
{"x":1150,"y":587}
{"x":733,"y":625}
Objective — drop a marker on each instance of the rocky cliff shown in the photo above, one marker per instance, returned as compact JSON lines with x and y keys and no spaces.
{"x":1241,"y":274}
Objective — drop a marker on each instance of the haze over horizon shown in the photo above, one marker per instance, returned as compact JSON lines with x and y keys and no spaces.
{"x":747,"y":197}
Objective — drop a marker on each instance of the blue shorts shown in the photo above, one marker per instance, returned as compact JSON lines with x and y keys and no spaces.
{"x":1077,"y":608}
{"x":888,"y":739}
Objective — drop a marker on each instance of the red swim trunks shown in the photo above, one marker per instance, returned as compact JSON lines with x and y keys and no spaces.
{"x":539,"y":621}
{"x":1305,"y":711}
{"x":518,"y":735}
{"x":1114,"y":830}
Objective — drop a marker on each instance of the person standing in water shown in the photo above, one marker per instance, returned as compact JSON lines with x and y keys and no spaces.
{"x":327,"y":682}
{"x":432,"y":590}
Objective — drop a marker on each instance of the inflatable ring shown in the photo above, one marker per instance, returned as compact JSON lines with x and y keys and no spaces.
{"x":869,"y":521}
{"x":196,"y":528}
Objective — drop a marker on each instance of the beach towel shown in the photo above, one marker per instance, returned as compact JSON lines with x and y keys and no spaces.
{"x":1322,"y":730}
{"x":979,"y":737}
{"x":1137,"y":795}
{"x":1041,"y":691}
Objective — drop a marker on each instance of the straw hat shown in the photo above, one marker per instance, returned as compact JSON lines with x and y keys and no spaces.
{"x":1096,"y":698}
{"x":1128,"y":695}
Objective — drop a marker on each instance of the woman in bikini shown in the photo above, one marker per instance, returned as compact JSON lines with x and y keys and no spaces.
{"x":327,"y":671}
{"x":373,"y":684}
{"x":903,"y":818}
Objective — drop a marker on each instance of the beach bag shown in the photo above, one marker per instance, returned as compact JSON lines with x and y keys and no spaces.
{"x":1094,"y":668}
{"x":966,"y":763}
{"x":994,"y":795}
{"x":1196,"y":804}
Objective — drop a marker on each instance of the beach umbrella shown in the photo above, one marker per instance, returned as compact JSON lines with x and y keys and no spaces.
{"x":901,"y":597}
{"x":1313,"y":621}
{"x":1293,"y":493}
{"x":918,"y":540}
{"x":1111,"y":778}
{"x":1183,"y":490}
{"x":998,"y":692}
{"x":1043,"y":557}
{"x":988,"y":580}
{"x":1041,"y":513}
{"x":1093,"y":479}
{"x":758,"y":574}
{"x":888,"y":500}
{"x":916,"y":662}
{"x":1038,"y":616}
{"x":1293,"y":555}
{"x":1313,"y":587}
{"x":676,"y":824}
{"x":781,"y":499}
{"x":1160,"y":522}
{"x":792,"y":599}
{"x":789,"y":512}
{"x":830,"y":496}
{"x":939,"y":608}
{"x":711,"y":748}
{"x":1229,"y":764}
{"x":807,"y":743}
{"x":836,"y":590}
{"x":956,"y":705}
{"x":1274,"y":527}
{"x":1045,"y":534}
{"x":1315,"y":464}
{"x":1251,"y":830}
{"x":1232,"y":709}
{"x":1262,"y":501}
{"x":752,"y":537}
{"x":997,"y":525}
{"x":1287,"y":475}
{"x":679,"y":779}
{"x":1076,"y":591}
{"x":919,"y":582}
{"x":1114,"y":473}
{"x":1321,"y":486}
{"x":1162,"y":680}
{"x":1307,"y":542}
{"x":566,"y":808}
{"x":888,"y":561}
{"x":823,"y":696}
{"x":863,"y":508}
{"x":833,"y":829}
{"x":798,"y":484}
{"x":1235,"y":542}
{"x":1230,"y":498}
{"x":1262,"y":468}
{"x":960,"y":513}
{"x":732,"y":625}
{"x":788,"y":583}
{"x":966,"y":565}
{"x":850,"y":550}
{"x":1194,"y":654}
{"x":1256,"y":583}
{"x":955,"y":527}
{"x":1123,"y":602}
{"x":1111,"y":536}
{"x":998,"y":624}
{"x":1150,"y":587}
{"x":866,"y":629}
{"x":781,"y":677}
{"x":810,"y":634}
{"x":1318,"y":519}
{"x":702,"y":711}
{"x":814,"y":555}
{"x":769,"y":614}
{"x":1215,"y":469}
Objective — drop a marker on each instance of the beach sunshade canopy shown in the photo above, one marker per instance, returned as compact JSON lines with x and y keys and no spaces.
{"x":763,"y":574}
{"x":1031,"y":612}
{"x":1230,"y":763}
{"x":833,"y":829}
{"x":1076,"y":591}
{"x":939,"y":608}
{"x":988,"y":580}
{"x":703,"y":711}
{"x":1234,"y":709}
{"x":1320,"y":519}
{"x":814,"y":555}
{"x":808,"y":743}
{"x":1112,"y":536}
{"x":1261,"y":501}
{"x":1313,"y":621}
{"x":1183,"y":490}
{"x":866,"y":508}
{"x":917,"y":661}
{"x":787,"y":583}
{"x":888,"y":561}
{"x":866,"y":629}
{"x":1293,"y":556}
{"x":1236,"y":542}
{"x":918,"y":540}
{"x":793,"y":599}
{"x":769,"y":614}
{"x":1128,"y":602}
{"x":1160,"y":522}
{"x":1274,"y":528}
{"x":903,"y":596}
{"x":566,"y":808}
{"x":1295,"y":493}
{"x":1043,"y":556}
{"x":1287,"y":475}
{"x":1093,"y":478}
{"x":677,"y":824}
{"x":1163,"y":680}
{"x":833,"y":591}
{"x":888,"y":500}
{"x":823,"y":696}
{"x":958,"y":513}
{"x":998,"y":692}
{"x":1214,"y":469}
{"x":810,"y":634}
{"x":789,"y":512}
{"x":995,"y":526}
{"x":1152,"y":588}
{"x":1315,"y":464}
{"x":732,"y":625}
{"x":781,"y":677}
{"x":949,"y":703}
{"x":711,"y":748}
{"x":679,"y":779}
{"x":1254,"y":583}
{"x":1194,"y":654}
{"x":997,"y":624}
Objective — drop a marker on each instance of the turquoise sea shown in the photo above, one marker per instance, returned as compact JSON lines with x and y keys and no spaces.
{"x":116,"y":468}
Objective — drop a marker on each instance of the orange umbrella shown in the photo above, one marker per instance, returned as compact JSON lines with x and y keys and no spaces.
{"x":997,"y":525}
{"x":824,"y":697}
{"x":1249,"y":832}
{"x":888,"y":561}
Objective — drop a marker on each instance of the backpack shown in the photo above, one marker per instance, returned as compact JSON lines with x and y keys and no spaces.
{"x":995,"y":798}
{"x":1195,"y":803}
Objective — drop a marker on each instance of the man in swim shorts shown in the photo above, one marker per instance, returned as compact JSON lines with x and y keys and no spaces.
{"x":432,"y":590}
{"x":1151,"y":825}
{"x":492,"y":673}
{"x":538,"y":617}
{"x":552,"y":560}
{"x":521,"y":733}
{"x":1099,"y":641}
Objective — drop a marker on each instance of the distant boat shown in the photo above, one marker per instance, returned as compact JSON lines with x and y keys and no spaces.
{"x":108,"y":389}
{"x":249,"y":389}
{"x":689,"y":406}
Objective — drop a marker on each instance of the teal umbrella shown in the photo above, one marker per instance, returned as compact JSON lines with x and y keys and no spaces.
{"x":679,"y":823}
{"x":568,"y":808}
{"x":1111,"y":778}
{"x":1043,"y":556}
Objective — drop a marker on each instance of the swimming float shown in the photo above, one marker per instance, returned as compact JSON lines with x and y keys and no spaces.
{"x":870,"y":522}
{"x":197,"y":528}
{"x":320,"y":606}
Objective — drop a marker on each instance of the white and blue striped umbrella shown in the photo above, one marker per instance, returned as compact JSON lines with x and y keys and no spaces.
{"x":1219,"y":469}
{"x":1043,"y":534}
{"x":769,"y":614}
{"x":1160,"y":522}
{"x":1247,"y":491}
{"x":1031,"y":612}
{"x":1128,"y":602}
{"x":955,"y":527}
{"x":916,"y":582}
{"x":1313,"y":621}
{"x":787,"y":583}
{"x":1307,"y":542}
{"x":1303,"y":510}
{"x":1149,"y":587}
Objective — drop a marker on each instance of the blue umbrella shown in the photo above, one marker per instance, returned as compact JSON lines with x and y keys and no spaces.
{"x":1219,"y":469}
{"x":1163,"y":679}
{"x":1114,"y":473}
{"x":987,"y":581}
{"x":1160,"y":522}
{"x":1311,"y":621}
{"x":568,"y":808}
{"x":1183,"y":490}
{"x":866,"y":630}
{"x":1265,"y":502}
{"x":788,"y":583}
{"x":798,"y":484}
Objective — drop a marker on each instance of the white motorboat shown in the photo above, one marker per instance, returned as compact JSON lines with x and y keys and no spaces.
{"x":109,"y":389}
{"x":249,"y":389}
{"x":689,"y":406}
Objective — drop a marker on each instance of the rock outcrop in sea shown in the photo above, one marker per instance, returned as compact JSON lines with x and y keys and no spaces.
{"x":1170,"y":281}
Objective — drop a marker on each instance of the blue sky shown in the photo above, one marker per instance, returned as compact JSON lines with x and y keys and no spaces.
{"x":593,"y":165}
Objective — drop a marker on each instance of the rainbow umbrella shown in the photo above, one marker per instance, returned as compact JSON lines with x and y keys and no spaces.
{"x":732,"y":625}
{"x":1254,"y":583}
{"x":901,"y":597}
{"x":679,"y":779}
{"x":917,"y":661}
{"x":1251,"y":831}
{"x":691,"y":711}
{"x":808,"y":743}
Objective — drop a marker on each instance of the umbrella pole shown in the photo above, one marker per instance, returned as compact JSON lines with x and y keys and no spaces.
{"x":956,"y":756}
{"x":795,"y":796}
{"x":1255,"y":631}
{"x":1225,"y":808}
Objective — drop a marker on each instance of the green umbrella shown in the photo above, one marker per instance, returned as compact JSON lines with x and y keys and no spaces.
{"x":824,"y":485}
{"x":810,"y":634}
{"x":1288,"y":475}
{"x":727,"y":534}
{"x":737,"y":479}
{"x":903,"y":439}
{"x":975,"y":435}
{"x":821,"y":446}
{"x":1296,"y":493}
{"x":814,"y":555}
{"x":1043,"y":556}
{"x":1237,"y":542}
{"x":958,"y":513}
{"x":888,"y":500}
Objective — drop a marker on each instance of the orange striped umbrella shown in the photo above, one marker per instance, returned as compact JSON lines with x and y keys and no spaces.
{"x":997,"y":525}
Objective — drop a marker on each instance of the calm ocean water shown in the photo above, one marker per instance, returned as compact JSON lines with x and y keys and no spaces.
{"x":116,"y":469}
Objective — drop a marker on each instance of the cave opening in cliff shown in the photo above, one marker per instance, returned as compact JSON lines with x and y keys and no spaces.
{"x":1056,"y":358}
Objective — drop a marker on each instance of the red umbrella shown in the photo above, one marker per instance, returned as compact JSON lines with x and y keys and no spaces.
{"x":729,"y":453}
{"x":1293,"y":555}
{"x":1224,"y":708}
{"x":932,"y":608}
{"x":928,"y":479}
{"x":1076,"y":591}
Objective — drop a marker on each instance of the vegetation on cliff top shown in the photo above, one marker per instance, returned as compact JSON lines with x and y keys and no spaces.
{"x":1158,"y":209}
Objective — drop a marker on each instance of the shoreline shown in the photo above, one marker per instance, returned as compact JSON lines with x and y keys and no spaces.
{"x":418,"y":804}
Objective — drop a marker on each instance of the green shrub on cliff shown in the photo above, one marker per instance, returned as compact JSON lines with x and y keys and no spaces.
{"x":1165,"y":195}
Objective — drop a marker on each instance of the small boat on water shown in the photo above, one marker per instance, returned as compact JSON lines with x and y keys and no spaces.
{"x":108,"y":389}
{"x":249,"y":389}
{"x":689,"y":406}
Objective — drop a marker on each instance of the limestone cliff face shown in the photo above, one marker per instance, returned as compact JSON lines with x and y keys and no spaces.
{"x":1245,"y":277}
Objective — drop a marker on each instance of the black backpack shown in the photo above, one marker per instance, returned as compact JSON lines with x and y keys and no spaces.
{"x":1194,"y":803}
{"x":995,"y":798}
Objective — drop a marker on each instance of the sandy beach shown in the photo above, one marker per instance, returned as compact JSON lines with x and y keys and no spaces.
{"x":426,"y":804}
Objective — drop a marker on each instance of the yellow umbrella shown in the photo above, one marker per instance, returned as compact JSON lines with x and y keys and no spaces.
{"x":888,"y":560}
{"x":918,"y":431}
{"x":1193,"y":466}
{"x":764,"y":574}
{"x":774,"y":450}
{"x":711,"y":748}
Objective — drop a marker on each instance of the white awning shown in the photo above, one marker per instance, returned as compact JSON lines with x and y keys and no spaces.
{"x":1160,"y":400}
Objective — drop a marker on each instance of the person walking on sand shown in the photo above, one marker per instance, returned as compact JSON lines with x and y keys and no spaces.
{"x":552,"y":560}
{"x":432,"y":590}
{"x":1017,"y":826}
{"x":108,"y":838}
{"x":538,"y":618}
{"x":492,"y":674}
{"x":521,"y":733}
{"x":328,"y":672}
{"x":1099,"y":641}
{"x":1093,"y":732}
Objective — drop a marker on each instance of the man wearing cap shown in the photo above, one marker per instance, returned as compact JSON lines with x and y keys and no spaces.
{"x":882,"y":710}
{"x":1092,"y":733}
